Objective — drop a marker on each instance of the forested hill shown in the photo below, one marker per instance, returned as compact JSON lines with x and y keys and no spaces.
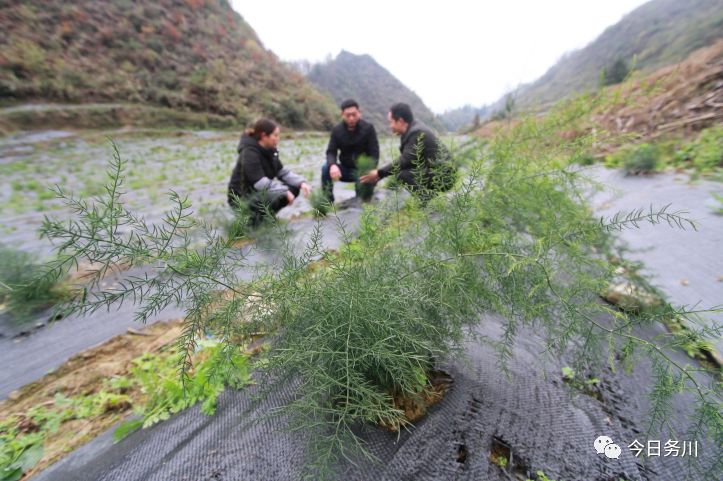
{"x":186,"y":55}
{"x":374,"y":87}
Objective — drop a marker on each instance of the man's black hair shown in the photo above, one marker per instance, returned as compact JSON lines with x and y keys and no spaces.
{"x":402,"y":111}
{"x":348,"y":103}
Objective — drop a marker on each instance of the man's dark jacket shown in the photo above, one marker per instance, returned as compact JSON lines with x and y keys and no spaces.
{"x":420,"y":148}
{"x":352,"y":144}
{"x":256,"y":169}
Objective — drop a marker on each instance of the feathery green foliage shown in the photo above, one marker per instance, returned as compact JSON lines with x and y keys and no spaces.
{"x":240,"y":225}
{"x":514,"y":238}
{"x":320,"y":203}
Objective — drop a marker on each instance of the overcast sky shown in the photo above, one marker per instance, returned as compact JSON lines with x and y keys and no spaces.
{"x":450,"y":52}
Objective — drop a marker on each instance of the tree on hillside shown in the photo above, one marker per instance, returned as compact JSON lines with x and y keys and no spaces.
{"x":616,"y":73}
{"x":506,"y":111}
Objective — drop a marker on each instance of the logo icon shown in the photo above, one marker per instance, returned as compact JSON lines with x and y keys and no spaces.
{"x":605,"y":445}
{"x":612,"y":451}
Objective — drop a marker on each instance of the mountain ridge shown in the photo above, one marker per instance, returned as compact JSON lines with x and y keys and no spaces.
{"x":349,"y":75}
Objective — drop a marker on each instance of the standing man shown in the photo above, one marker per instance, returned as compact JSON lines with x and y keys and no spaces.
{"x":425,"y":165}
{"x":355,"y":142}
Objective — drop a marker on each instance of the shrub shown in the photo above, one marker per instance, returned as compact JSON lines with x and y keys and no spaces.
{"x":24,"y":289}
{"x":319,"y":203}
{"x":643,"y":159}
{"x":364,"y":164}
{"x":707,"y":151}
{"x":583,"y":158}
{"x":616,"y":73}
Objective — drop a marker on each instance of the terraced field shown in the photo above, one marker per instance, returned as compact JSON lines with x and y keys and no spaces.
{"x":194,"y":164}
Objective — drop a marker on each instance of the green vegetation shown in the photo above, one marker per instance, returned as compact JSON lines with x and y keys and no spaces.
{"x":152,"y":389}
{"x":24,"y":289}
{"x":157,"y":376}
{"x":645,"y":300}
{"x":240,"y":225}
{"x":17,"y":454}
{"x":100,"y":116}
{"x":577,"y":381}
{"x":541,"y":477}
{"x":719,"y":208}
{"x":642,"y":160}
{"x":22,"y":435}
{"x":616,"y":73}
{"x":319,"y":203}
{"x":198,"y":59}
{"x":364,"y":164}
{"x":506,"y":111}
{"x":702,"y":154}
{"x":513,"y":238}
{"x":706,"y":152}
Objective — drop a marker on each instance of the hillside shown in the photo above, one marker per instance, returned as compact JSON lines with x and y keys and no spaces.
{"x":656,"y":34}
{"x":677,"y":100}
{"x":196,"y":56}
{"x":682,"y":98}
{"x":373,"y":86}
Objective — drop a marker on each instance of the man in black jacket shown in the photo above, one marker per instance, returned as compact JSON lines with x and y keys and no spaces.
{"x":254,"y":178}
{"x":425,"y":165}
{"x":355,"y":142}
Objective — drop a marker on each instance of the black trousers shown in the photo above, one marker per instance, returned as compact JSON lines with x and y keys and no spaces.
{"x":260,"y":204}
